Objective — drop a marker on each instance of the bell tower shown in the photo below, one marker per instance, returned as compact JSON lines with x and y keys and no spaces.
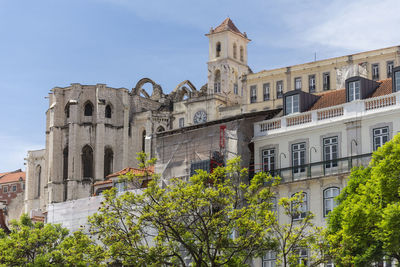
{"x":227,"y":60}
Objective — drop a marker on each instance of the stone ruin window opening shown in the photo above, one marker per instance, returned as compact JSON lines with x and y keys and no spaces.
{"x":144,"y":141}
{"x":65,"y":173}
{"x":88,"y":109}
{"x":217,"y":82}
{"x":38,"y":178}
{"x":218,"y":49}
{"x":108,"y":112}
{"x":108,"y":161}
{"x":87,"y":162}
{"x":160,"y":129}
{"x":67,"y":111}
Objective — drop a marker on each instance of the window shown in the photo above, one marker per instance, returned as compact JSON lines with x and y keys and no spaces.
{"x":65,"y":173}
{"x":299,"y":208}
{"x":274,"y":204}
{"x":253,"y":93}
{"x":108,"y":161}
{"x":88,"y":109}
{"x":14,"y":188}
{"x":311,"y":83}
{"x":279,"y":89}
{"x":302,"y":256}
{"x":241,"y":54}
{"x":381,"y":136}
{"x":297,"y":83}
{"x":181,"y":122}
{"x":329,"y":199}
{"x":291,"y":104}
{"x":234,"y":51}
{"x":389,"y":68}
{"x":330,"y":152}
{"x":108,"y":112}
{"x":217,"y":82}
{"x":330,"y":264}
{"x":199,"y":165}
{"x":326,"y":81}
{"x":397,"y":81}
{"x":375,"y":71}
{"x":121,"y":186}
{"x":266,"y":91}
{"x":354,"y":90}
{"x":5,"y":189}
{"x":299,"y":157}
{"x":218,"y":49}
{"x":87,"y":162}
{"x":39,"y":179}
{"x":269,"y":259}
{"x":144,"y":141}
{"x":67,"y":110}
{"x":268,"y":159}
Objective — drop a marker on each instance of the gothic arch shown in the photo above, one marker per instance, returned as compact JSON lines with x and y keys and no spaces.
{"x":185,"y":88}
{"x":87,"y":162}
{"x":88,"y":108}
{"x":157,"y":91}
{"x":108,"y":161}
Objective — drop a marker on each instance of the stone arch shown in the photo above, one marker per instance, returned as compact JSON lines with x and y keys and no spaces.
{"x":108,"y":161}
{"x":108,"y":111}
{"x":157,"y":90}
{"x":87,"y":162}
{"x":88,"y":108}
{"x":185,"y":88}
{"x":217,"y":81}
{"x":67,"y":110}
{"x":160,"y":129}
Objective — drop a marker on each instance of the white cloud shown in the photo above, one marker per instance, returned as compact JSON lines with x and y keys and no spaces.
{"x":14,"y":150}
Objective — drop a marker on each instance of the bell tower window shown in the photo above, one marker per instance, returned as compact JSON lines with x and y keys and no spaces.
{"x":241,"y":54}
{"x":217,"y":82}
{"x":234,"y":51}
{"x":87,"y":162}
{"x":108,"y":111}
{"x":218,"y":50}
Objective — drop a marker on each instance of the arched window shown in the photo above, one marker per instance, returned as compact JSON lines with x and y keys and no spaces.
{"x":67,"y":110}
{"x":144,"y":141}
{"x":300,"y":208}
{"x":87,"y":162}
{"x":108,"y":111}
{"x":65,"y":172}
{"x":217,"y":82}
{"x":218,"y":49}
{"x":88,"y":109}
{"x":241,"y":53}
{"x":234,"y":51}
{"x":160,"y":129}
{"x":108,"y":161}
{"x":38,"y":180}
{"x":329,"y":199}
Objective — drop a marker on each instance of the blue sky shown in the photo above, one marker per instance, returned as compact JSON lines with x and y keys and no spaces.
{"x":51,"y":43}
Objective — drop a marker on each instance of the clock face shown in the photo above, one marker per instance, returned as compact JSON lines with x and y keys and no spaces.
{"x":200,"y":117}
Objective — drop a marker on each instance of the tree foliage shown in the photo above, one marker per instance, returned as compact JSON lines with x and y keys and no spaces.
{"x":211,"y":220}
{"x":38,"y":244}
{"x":365,"y":226}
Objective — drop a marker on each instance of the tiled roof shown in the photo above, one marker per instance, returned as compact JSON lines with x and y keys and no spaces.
{"x":227,"y":25}
{"x":135,"y":171}
{"x":384,"y":88}
{"x":103,"y":182}
{"x":10,"y":177}
{"x":338,"y":97}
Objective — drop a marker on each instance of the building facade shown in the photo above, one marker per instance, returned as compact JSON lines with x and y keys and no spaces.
{"x":12,"y":190}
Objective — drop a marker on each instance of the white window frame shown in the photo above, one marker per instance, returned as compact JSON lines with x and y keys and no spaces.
{"x":389,"y":68}
{"x":331,"y":151}
{"x":297,"y":83}
{"x":329,"y":195}
{"x":311,"y":83}
{"x":181,"y":122}
{"x":303,"y":208}
{"x":266,"y":90}
{"x":279,"y":89}
{"x":380,"y":136}
{"x":253,"y":93}
{"x":5,"y":189}
{"x":14,"y":188}
{"x":299,"y":157}
{"x":269,"y":259}
{"x":326,"y":78}
{"x":268,"y":160}
{"x":354,"y":91}
{"x":292,"y":104}
{"x":375,"y":71}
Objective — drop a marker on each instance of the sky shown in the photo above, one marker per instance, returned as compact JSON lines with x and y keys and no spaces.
{"x":49,"y":43}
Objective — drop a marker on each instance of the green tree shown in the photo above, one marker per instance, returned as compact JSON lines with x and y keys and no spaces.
{"x":38,"y":244}
{"x":365,"y":226}
{"x":211,"y":220}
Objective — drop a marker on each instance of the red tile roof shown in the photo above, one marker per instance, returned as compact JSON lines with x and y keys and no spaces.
{"x":103,"y":182}
{"x":338,"y":97}
{"x":10,"y":177}
{"x":135,"y":171}
{"x":228,"y":25}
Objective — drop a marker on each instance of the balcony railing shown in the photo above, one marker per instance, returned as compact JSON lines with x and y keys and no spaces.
{"x":316,"y":117}
{"x":340,"y":166}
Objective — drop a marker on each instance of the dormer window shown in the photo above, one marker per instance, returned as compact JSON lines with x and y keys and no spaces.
{"x":354,"y":90}
{"x":292,"y":104}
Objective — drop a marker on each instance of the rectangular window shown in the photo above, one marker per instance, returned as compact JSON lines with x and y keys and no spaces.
{"x":381,"y":136}
{"x":235,"y":89}
{"x":389,"y":68}
{"x":311,"y":83}
{"x":299,"y":209}
{"x":14,"y":188}
{"x":354,"y":90}
{"x":266,"y":91}
{"x":329,"y":199}
{"x":199,"y":165}
{"x":268,"y":159}
{"x":292,"y":104}
{"x":253,"y":94}
{"x":302,"y":256}
{"x":326,"y":81}
{"x":330,"y":152}
{"x":217,"y":87}
{"x":299,"y":157}
{"x":397,"y":81}
{"x":181,"y":122}
{"x":5,"y":189}
{"x":297,"y":83}
{"x":269,"y":259}
{"x":375,"y":71}
{"x":279,"y":89}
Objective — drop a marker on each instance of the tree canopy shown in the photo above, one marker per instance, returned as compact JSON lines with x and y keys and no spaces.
{"x":365,"y":226}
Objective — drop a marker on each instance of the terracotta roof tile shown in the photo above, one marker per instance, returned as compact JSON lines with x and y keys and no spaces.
{"x":11,"y":177}
{"x":384,"y":88}
{"x":103,"y":182}
{"x":228,"y":25}
{"x":329,"y":99}
{"x":133,"y":170}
